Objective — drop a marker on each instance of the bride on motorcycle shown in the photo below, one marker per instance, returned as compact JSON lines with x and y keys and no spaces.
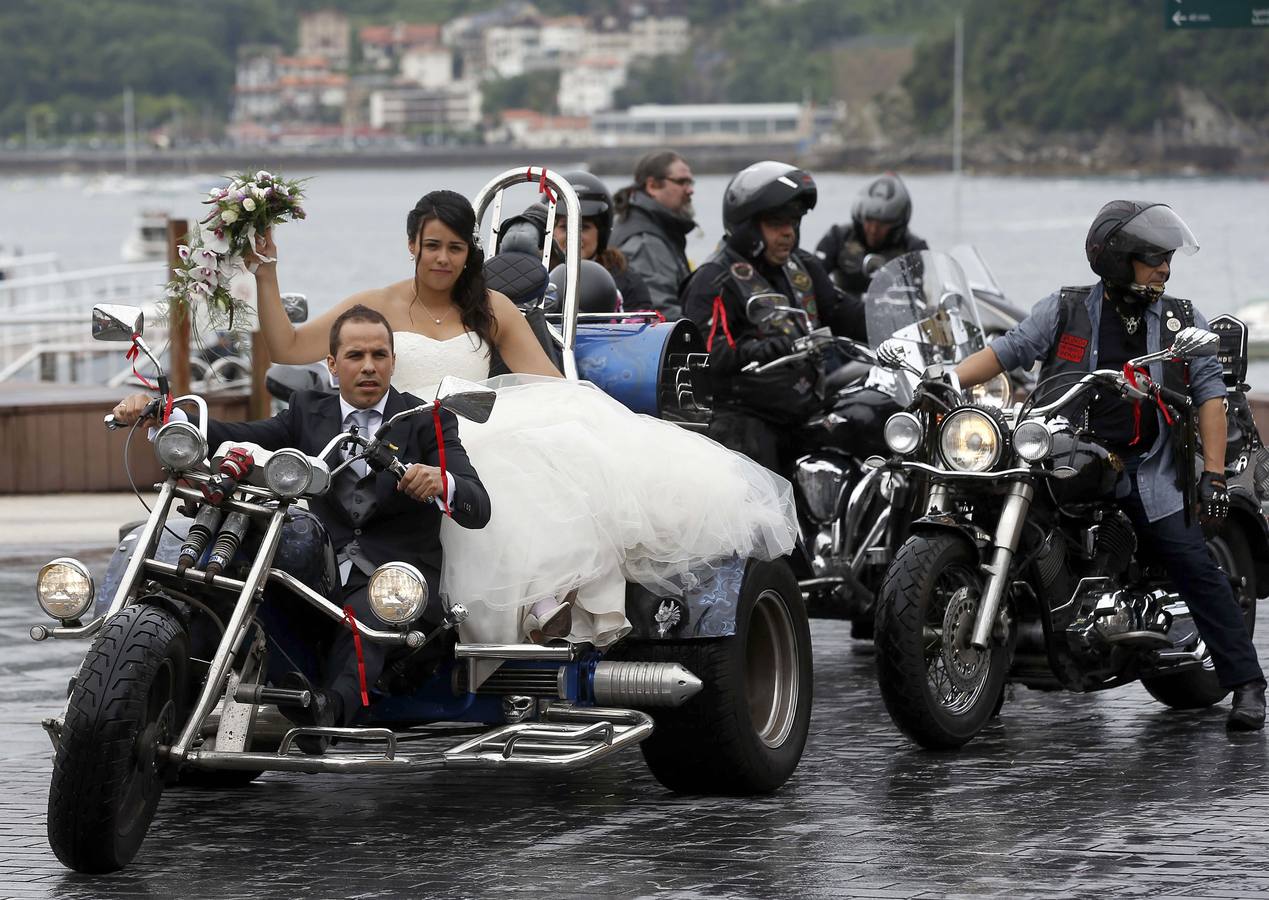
{"x":577,"y":510}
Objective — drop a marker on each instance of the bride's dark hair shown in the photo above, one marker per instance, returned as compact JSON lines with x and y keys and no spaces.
{"x":469,"y":294}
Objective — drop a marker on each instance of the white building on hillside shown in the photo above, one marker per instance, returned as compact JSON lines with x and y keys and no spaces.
{"x":589,"y":85}
{"x":428,"y":66}
{"x":326,"y":33}
{"x":456,"y":107}
{"x":660,"y":35}
{"x":714,"y":123}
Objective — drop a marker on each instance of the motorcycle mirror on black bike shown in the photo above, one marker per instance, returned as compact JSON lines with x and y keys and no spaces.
{"x":766,"y":306}
{"x":296,"y":306}
{"x":872,"y":263}
{"x":1189,"y":343}
{"x":116,"y":322}
{"x":951,"y":301}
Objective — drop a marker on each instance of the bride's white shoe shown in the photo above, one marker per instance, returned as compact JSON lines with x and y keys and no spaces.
{"x":552,"y":622}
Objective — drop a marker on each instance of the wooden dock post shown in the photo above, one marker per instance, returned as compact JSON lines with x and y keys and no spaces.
{"x":178,"y":327}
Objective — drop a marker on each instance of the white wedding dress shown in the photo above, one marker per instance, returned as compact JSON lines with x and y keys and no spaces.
{"x":586,"y":494}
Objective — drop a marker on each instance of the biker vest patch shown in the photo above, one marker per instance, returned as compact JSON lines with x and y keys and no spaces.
{"x":749,"y":282}
{"x":1071,"y":348}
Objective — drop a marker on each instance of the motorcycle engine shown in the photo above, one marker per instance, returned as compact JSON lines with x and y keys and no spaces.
{"x":1113,"y":543}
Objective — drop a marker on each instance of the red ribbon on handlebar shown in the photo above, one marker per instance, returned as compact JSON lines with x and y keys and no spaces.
{"x":440,"y":452}
{"x":361,"y":662}
{"x":131,"y":356}
{"x":1131,"y":374}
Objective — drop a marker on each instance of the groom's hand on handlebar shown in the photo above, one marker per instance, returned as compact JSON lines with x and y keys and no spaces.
{"x":420,"y":482}
{"x":132,"y":408}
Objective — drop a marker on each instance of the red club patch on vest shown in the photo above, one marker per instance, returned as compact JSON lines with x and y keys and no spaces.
{"x":1071,"y":348}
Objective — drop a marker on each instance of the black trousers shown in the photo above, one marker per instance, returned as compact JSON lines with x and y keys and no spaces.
{"x":755,"y":437}
{"x":1201,"y":584}
{"x":340,"y":673}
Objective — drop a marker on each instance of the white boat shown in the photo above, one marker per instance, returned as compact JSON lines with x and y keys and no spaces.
{"x":148,"y":240}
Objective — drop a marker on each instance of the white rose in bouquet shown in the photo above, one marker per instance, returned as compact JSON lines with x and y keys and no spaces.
{"x":249,"y":205}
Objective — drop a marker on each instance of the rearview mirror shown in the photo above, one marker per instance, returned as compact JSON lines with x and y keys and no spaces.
{"x":296,"y":306}
{"x":872,"y":262}
{"x":761,"y":307}
{"x":951,"y":300}
{"x":116,"y":322}
{"x":465,"y":398}
{"x":1192,"y":343}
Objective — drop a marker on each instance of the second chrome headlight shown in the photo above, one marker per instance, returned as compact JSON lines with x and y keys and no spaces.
{"x":179,"y":446}
{"x":288,"y":473}
{"x":970,"y":441}
{"x":1032,"y":441}
{"x":902,"y":432}
{"x":397,"y":592}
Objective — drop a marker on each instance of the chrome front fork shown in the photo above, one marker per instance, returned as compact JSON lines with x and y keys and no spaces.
{"x":235,"y":630}
{"x":1013,"y":515}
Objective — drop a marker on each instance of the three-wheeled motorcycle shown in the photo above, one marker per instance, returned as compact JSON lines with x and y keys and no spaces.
{"x":226,"y":587}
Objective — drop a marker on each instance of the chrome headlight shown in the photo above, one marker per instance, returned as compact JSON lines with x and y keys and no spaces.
{"x":1032,"y":441}
{"x":64,"y":589}
{"x":288,"y":473}
{"x":902,"y":432}
{"x":397,"y":592}
{"x":179,"y":446}
{"x":970,"y":441}
{"x":995,"y":392}
{"x":820,"y":484}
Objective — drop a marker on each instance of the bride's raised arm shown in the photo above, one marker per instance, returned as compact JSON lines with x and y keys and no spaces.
{"x":517,"y":344}
{"x":310,"y":342}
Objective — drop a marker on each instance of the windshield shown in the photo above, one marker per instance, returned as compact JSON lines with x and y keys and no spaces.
{"x":924,"y":301}
{"x":977,"y":273}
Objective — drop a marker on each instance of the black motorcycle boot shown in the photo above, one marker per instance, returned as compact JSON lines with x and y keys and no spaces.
{"x":1248,"y":712}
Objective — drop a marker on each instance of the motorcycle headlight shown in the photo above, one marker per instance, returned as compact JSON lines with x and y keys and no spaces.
{"x":179,"y":446}
{"x":902,"y":432}
{"x":397,"y":592}
{"x":995,"y":392}
{"x":970,"y":441}
{"x":288,"y":473}
{"x":1032,"y":441}
{"x":820,"y":484}
{"x":64,"y":589}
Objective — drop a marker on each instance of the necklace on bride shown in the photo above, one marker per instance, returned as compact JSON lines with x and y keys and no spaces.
{"x":435,"y":318}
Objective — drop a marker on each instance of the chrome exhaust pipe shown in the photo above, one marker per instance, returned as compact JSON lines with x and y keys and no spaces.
{"x":643,"y":684}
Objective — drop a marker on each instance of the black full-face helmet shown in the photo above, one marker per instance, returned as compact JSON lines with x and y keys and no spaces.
{"x":596,"y":291}
{"x":1127,"y":228}
{"x":595,"y":201}
{"x":764,"y":189}
{"x":884,"y":199}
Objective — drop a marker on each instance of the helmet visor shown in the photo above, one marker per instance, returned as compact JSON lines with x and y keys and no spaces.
{"x":1153,"y":231}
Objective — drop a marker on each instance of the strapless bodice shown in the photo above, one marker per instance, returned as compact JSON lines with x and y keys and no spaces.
{"x":423,"y":361}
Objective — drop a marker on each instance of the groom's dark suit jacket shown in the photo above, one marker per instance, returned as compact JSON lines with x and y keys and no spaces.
{"x":386,"y":524}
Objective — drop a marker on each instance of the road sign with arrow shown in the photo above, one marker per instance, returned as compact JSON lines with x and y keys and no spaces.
{"x":1217,"y":13}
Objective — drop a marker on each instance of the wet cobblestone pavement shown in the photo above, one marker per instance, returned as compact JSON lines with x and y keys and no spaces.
{"x":1068,"y":796}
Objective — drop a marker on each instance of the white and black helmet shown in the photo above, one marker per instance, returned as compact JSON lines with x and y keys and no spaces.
{"x":765,"y":188}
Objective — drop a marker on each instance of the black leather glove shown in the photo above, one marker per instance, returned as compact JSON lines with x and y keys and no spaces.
{"x":1213,"y":498}
{"x":765,"y":350}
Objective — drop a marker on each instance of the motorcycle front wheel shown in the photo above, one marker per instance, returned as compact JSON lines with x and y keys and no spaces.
{"x":938,"y":689}
{"x":108,"y":774}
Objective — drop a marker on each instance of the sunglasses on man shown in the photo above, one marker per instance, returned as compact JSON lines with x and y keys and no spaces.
{"x":1154,"y":260}
{"x":685,"y":181}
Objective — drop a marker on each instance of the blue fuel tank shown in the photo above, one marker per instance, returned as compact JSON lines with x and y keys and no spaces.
{"x":643,"y":366}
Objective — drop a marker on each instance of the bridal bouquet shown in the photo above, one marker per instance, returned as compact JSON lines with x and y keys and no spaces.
{"x":249,"y":203}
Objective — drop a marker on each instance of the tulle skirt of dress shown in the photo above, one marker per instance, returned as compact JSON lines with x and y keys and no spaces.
{"x":585,"y":495}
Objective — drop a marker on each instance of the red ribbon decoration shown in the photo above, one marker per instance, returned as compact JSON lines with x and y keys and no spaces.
{"x":131,"y":356}
{"x":1130,"y":375}
{"x":440,"y":451}
{"x":361,"y":662}
{"x":544,"y":186}
{"x":719,"y":314}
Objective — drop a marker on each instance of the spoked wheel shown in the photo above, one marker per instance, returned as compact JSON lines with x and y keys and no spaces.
{"x":127,"y":704}
{"x":938,"y":688}
{"x":1198,"y":687}
{"x":745,"y":731}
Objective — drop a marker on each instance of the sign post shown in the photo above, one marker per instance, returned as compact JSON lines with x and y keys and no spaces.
{"x":1189,"y":14}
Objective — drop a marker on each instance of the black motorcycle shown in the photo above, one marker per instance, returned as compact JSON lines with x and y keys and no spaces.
{"x":854,"y":518}
{"x":1024,"y":569}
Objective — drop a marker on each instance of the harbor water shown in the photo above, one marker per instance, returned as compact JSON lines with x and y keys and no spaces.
{"x":1029,"y":230}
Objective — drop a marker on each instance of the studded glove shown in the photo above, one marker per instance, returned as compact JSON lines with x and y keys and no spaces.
{"x":1213,"y":498}
{"x":769,"y":349}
